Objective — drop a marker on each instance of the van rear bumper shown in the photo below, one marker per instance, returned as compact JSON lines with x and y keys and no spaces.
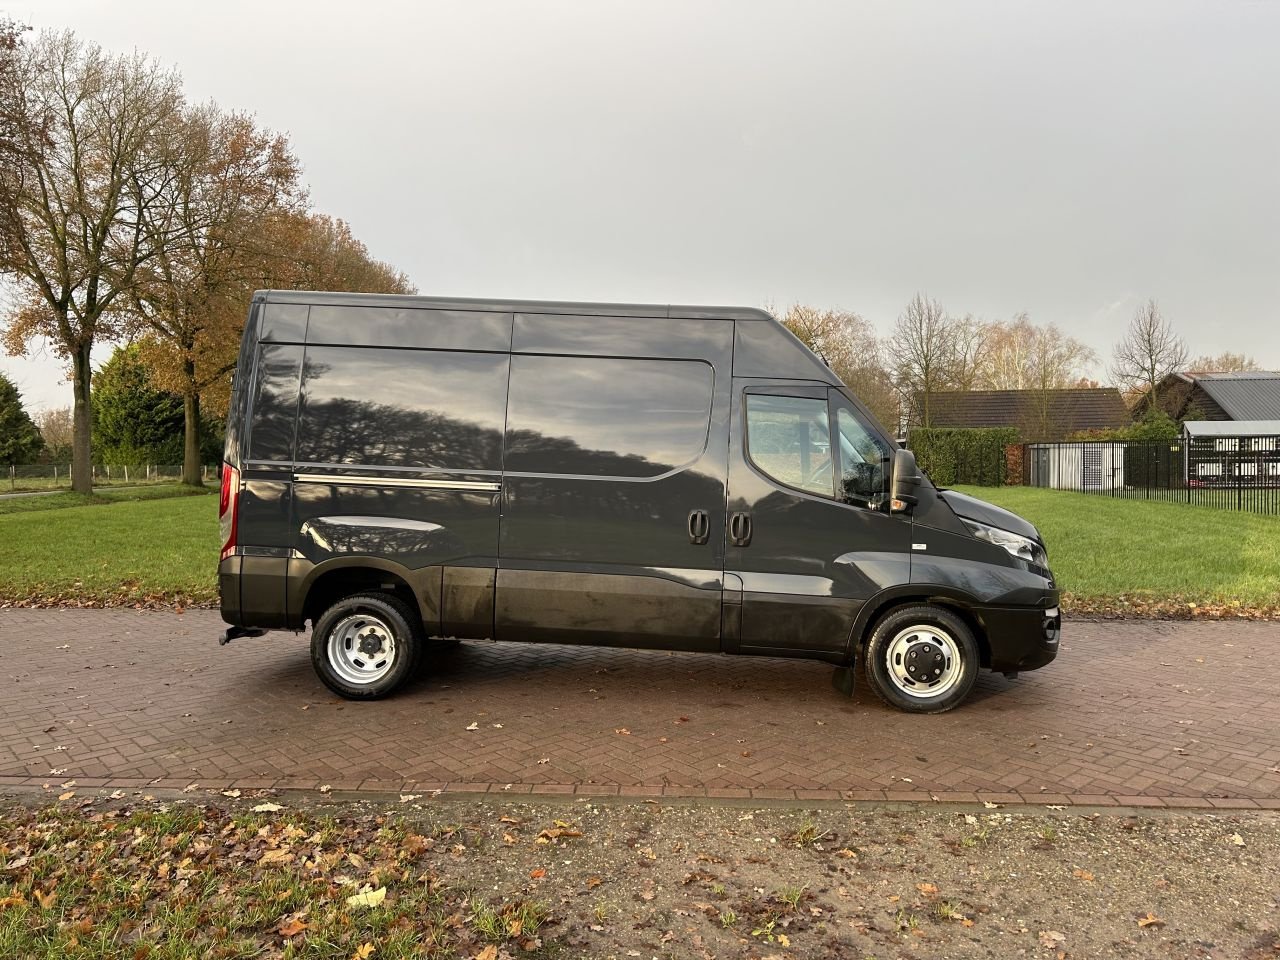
{"x":1022,"y":638}
{"x":252,"y":588}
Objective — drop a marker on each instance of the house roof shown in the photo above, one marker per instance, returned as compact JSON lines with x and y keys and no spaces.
{"x":1232,"y":428}
{"x":1249,"y":395}
{"x":1039,"y":414}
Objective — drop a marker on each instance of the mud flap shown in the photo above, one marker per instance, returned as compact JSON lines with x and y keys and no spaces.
{"x":842,"y":680}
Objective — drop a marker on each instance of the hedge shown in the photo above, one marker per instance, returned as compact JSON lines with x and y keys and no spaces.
{"x":950,"y":455}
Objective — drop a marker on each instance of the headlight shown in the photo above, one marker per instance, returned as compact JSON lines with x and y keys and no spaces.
{"x":1019,"y":546}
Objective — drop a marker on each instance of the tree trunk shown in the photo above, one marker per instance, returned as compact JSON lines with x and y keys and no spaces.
{"x":81,"y":423}
{"x":191,"y":439}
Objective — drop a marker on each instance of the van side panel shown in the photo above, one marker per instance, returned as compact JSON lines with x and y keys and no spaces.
{"x":767,"y":349}
{"x":616,"y":434}
{"x":397,"y":456}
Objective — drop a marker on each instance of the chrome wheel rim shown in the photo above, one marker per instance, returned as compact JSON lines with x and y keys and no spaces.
{"x":361,"y":649}
{"x":924,"y":662}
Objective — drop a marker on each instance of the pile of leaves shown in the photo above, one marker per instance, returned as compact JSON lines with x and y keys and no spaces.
{"x":1176,"y":607}
{"x":199,"y":881}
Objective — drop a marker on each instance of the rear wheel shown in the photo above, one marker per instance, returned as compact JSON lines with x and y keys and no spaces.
{"x":364,"y":646}
{"x":922,"y":659}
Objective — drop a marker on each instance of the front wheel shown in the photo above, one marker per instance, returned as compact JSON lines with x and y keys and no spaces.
{"x":363,"y":647}
{"x":922,"y":659}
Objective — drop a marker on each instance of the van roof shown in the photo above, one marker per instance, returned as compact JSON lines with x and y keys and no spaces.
{"x":514,"y":306}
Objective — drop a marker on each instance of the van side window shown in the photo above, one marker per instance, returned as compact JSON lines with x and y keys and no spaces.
{"x":434,"y":409}
{"x":275,"y":403}
{"x":606,"y":417}
{"x":789,"y":439}
{"x":864,"y":460}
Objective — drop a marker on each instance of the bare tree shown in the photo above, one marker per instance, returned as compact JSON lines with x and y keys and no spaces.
{"x":849,"y":346}
{"x":921,"y":355}
{"x":82,"y":171}
{"x":971,"y":340}
{"x":1027,"y":356}
{"x":1149,"y":352}
{"x":55,"y":430}
{"x":1226,"y":362}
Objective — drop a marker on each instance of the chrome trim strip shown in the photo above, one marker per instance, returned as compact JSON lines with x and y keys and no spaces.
{"x":346,"y":479}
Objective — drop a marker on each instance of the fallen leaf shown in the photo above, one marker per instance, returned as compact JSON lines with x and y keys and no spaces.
{"x":508,"y":819}
{"x":473,"y":726}
{"x":847,"y":854}
{"x":66,"y":796}
{"x":276,"y":856}
{"x":291,"y":928}
{"x":928,"y":889}
{"x":409,"y":797}
{"x":1150,"y":920}
{"x":1050,"y":939}
{"x":46,"y":899}
{"x":233,"y":794}
{"x":363,"y":952}
{"x":622,"y":731}
{"x":990,"y":806}
{"x":267,"y":808}
{"x":1236,"y":839}
{"x":488,"y":953}
{"x":538,"y":874}
{"x":366,"y":898}
{"x":1084,"y":875}
{"x":325,"y":788}
{"x":784,"y":940}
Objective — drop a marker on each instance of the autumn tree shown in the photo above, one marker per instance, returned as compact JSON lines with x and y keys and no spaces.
{"x":921,"y":355}
{"x":848,"y":345}
{"x":19,"y":438}
{"x":82,"y":170}
{"x":54,"y":425}
{"x":1149,"y":352}
{"x":319,"y":252}
{"x":228,"y":181}
{"x":1226,"y":362}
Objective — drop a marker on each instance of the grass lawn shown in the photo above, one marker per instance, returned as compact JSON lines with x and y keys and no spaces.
{"x":1133,"y":556}
{"x":151,"y":545}
{"x":158,"y":545}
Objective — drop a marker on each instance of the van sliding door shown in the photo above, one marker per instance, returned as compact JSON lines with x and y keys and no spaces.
{"x":613,"y":482}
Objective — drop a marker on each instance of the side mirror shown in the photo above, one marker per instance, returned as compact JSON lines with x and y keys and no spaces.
{"x":906,"y":482}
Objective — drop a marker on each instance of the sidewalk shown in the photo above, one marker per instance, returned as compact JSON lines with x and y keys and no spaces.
{"x":1133,"y":713}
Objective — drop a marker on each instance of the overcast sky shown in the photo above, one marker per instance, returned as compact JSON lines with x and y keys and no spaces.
{"x":1067,"y":159}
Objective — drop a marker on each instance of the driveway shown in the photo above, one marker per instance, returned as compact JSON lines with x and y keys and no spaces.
{"x":1134,"y":713}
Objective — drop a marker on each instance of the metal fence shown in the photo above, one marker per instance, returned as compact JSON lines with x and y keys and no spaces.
{"x":36,"y":477}
{"x":1234,"y":473}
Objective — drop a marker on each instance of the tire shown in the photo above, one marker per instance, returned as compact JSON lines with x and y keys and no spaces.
{"x":350,"y":640}
{"x":922,"y":659}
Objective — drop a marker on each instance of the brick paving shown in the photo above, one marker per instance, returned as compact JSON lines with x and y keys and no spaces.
{"x":1133,"y":713}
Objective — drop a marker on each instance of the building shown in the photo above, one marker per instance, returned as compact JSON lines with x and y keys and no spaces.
{"x":1245,"y":395}
{"x":1035,"y":414}
{"x":1232,"y":452}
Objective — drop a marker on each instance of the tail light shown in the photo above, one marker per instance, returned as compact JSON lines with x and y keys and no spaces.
{"x":229,"y":509}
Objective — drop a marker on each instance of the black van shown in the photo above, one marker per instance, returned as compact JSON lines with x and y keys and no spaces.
{"x":404,"y":470}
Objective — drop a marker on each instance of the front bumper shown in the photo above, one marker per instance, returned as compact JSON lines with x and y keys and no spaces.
{"x":1024,"y":637}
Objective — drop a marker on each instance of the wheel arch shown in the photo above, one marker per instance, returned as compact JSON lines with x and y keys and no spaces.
{"x":330,"y":581}
{"x":955,"y":601}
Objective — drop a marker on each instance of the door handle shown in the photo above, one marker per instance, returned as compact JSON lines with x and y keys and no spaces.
{"x":740,"y":529}
{"x":699,"y":526}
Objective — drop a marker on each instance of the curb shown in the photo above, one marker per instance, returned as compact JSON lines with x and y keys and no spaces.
{"x":372,"y":789}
